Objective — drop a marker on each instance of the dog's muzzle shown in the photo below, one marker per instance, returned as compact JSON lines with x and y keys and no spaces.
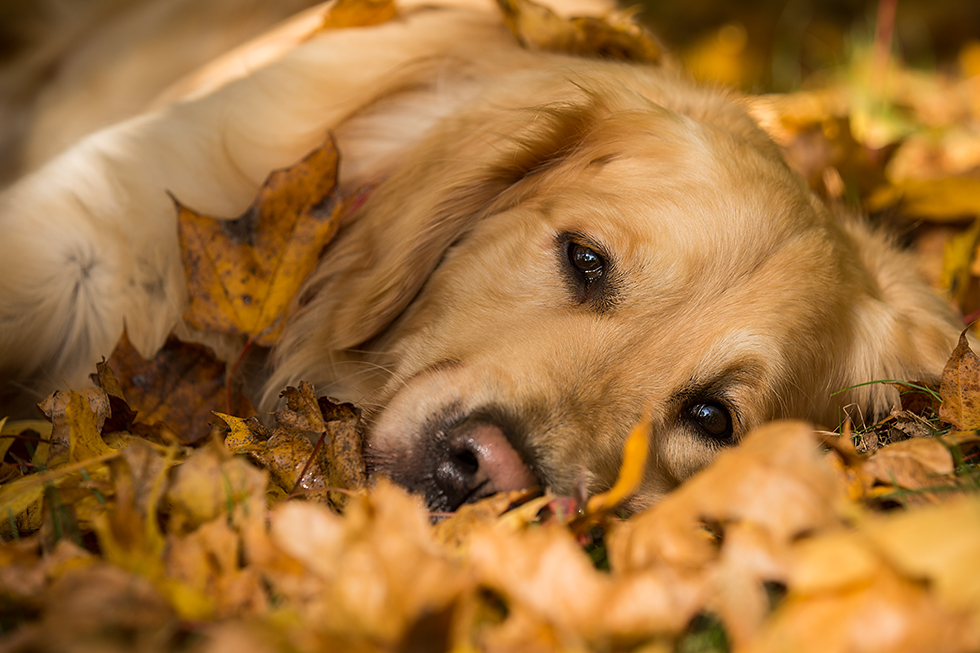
{"x":468,"y":461}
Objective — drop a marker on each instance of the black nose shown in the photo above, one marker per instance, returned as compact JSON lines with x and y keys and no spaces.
{"x":466,"y":462}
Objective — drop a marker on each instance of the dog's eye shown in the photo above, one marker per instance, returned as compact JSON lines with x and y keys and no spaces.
{"x":712,"y":419}
{"x":589,"y":263}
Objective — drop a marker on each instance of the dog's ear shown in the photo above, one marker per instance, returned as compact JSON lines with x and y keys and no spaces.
{"x":903,"y":330}
{"x":474,"y":165}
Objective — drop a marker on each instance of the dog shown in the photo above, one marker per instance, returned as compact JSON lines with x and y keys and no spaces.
{"x":553,"y":246}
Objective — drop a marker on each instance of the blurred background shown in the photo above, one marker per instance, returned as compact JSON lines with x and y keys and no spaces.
{"x":781,"y":45}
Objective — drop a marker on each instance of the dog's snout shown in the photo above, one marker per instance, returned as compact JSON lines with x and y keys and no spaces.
{"x":481,"y":461}
{"x":467,"y":461}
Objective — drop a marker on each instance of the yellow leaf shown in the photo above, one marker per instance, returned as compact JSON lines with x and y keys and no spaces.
{"x":958,"y":256}
{"x":10,"y":430}
{"x":20,"y":500}
{"x":635,"y":453}
{"x":359,"y":13}
{"x":243,"y":273}
{"x":84,"y":424}
{"x":243,"y":434}
{"x":960,"y":388}
{"x":943,"y":198}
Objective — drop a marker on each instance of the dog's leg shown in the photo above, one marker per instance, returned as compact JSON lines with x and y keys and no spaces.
{"x":89,"y":241}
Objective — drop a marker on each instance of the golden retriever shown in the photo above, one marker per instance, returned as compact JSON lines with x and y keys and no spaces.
{"x":553,"y":247}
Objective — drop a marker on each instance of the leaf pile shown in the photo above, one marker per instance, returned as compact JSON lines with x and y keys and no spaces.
{"x":154,"y":513}
{"x":141,"y":542}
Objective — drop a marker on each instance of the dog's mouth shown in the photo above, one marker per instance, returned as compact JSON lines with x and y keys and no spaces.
{"x":463,"y":462}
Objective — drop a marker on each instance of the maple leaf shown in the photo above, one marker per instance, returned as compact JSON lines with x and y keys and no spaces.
{"x":243,"y":273}
{"x":174,"y":394}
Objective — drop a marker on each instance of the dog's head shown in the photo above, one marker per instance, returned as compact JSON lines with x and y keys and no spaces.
{"x":530,"y":281}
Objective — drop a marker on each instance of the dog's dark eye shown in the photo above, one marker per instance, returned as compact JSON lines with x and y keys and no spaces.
{"x":586,"y":261}
{"x":712,"y":419}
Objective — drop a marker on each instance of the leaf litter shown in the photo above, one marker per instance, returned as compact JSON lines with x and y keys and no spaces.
{"x":156,"y":513}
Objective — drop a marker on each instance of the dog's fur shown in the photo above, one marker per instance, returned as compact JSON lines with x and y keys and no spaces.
{"x":450,"y":305}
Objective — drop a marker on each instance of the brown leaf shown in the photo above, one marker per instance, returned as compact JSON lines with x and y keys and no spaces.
{"x":302,"y":410}
{"x":919,"y":398}
{"x":347,"y":468}
{"x":180,"y":388}
{"x":615,"y":37}
{"x":960,"y":388}
{"x":911,"y":464}
{"x":243,"y":273}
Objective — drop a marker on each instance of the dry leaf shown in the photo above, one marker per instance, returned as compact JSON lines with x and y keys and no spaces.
{"x":949,"y":198}
{"x":302,"y":410}
{"x":358,"y":13}
{"x":179,"y":389}
{"x":243,"y":273}
{"x":331,"y":460}
{"x":958,"y":259}
{"x":941,"y":544}
{"x":915,"y":464}
{"x":960,"y":388}
{"x":616,"y":37}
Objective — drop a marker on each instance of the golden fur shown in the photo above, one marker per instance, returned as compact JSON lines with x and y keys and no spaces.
{"x":451,"y":297}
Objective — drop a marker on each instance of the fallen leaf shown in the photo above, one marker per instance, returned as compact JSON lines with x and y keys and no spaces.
{"x":179,"y":389}
{"x":635,"y":452}
{"x":358,"y":13}
{"x":77,"y":419}
{"x":537,"y":27}
{"x":346,"y":448}
{"x":316,"y":449}
{"x":960,"y":388}
{"x":302,"y":411}
{"x":959,"y":256}
{"x":243,"y":273}
{"x":915,"y":464}
{"x":940,"y":544}
{"x":208,"y":485}
{"x":949,"y":198}
{"x":886,"y":613}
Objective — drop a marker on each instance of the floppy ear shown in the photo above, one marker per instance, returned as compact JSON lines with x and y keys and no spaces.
{"x":903,"y":330}
{"x":475,"y":164}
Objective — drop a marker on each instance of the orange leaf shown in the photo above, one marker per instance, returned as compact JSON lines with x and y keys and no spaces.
{"x":359,"y":13}
{"x":635,"y":453}
{"x":960,"y":388}
{"x":243,"y":273}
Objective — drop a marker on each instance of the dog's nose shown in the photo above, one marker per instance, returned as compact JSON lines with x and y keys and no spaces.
{"x":480,"y":461}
